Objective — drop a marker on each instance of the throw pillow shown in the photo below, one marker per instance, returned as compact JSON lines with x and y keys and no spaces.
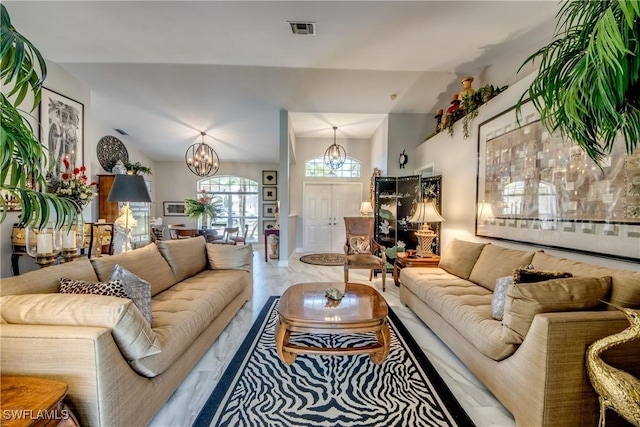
{"x":524,"y":301}
{"x":112,"y":288}
{"x":530,"y":275}
{"x":360,"y":244}
{"x":499,"y":295}
{"x":460,"y":256}
{"x":230,"y":257}
{"x":137,"y":289}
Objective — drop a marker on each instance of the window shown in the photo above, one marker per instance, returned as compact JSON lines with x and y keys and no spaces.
{"x":316,"y":167}
{"x":239,"y":203}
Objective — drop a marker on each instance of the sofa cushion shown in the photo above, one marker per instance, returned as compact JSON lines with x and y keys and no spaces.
{"x":47,"y":280}
{"x":531,"y":275}
{"x":496,"y":261}
{"x":187,"y":257}
{"x":524,"y":301}
{"x":234,"y":257}
{"x":138,"y":290}
{"x":625,"y":285}
{"x":460,"y":257}
{"x":130,"y":330}
{"x":112,"y":288}
{"x":146,"y":263}
{"x":463,"y":304}
{"x":184,"y":311}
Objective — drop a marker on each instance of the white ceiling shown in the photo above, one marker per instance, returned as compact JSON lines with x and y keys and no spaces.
{"x":166,"y":70}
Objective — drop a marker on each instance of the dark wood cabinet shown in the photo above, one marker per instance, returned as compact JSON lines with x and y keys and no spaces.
{"x":107,"y":210}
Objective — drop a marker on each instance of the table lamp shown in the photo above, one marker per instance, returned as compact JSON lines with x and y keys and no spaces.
{"x":128,"y":188}
{"x":366,"y":208}
{"x":425,"y":214}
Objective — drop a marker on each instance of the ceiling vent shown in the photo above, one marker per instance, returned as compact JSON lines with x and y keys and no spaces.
{"x":303,"y":28}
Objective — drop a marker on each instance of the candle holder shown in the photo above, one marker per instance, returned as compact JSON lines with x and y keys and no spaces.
{"x":72,"y":237}
{"x":44,"y":245}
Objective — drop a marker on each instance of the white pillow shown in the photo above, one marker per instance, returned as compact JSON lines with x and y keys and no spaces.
{"x":499,"y":296}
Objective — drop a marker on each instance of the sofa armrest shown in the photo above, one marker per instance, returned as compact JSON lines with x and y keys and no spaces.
{"x":86,"y":358}
{"x":552,"y":365}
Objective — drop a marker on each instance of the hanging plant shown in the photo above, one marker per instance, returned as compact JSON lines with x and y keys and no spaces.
{"x":588,"y":84}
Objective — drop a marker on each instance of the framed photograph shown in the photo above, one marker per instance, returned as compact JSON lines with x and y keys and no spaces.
{"x":269,"y":210}
{"x":174,"y":208}
{"x":62,"y":130}
{"x":268,"y":225}
{"x":539,"y":188}
{"x":269,"y":177}
{"x":269,"y":194}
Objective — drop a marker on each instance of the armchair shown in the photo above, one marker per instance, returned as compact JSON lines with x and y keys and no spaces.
{"x":360,"y":250}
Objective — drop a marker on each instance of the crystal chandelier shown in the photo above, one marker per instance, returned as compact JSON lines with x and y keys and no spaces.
{"x":335,"y":155}
{"x":201,"y":159}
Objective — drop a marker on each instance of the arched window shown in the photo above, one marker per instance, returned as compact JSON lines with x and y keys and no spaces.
{"x":316,"y":167}
{"x":240,"y":202}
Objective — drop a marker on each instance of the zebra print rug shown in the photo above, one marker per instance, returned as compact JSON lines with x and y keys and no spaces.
{"x":257,"y":389}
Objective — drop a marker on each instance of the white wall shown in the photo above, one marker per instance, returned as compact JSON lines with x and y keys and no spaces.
{"x":379,"y":147}
{"x":63,"y":83}
{"x":406,"y":132}
{"x":455,"y":159}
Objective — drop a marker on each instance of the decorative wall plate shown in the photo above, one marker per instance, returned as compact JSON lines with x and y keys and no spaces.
{"x":110,"y":150}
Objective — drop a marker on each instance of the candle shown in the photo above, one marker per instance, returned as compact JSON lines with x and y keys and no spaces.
{"x":45,"y":243}
{"x":69,"y":240}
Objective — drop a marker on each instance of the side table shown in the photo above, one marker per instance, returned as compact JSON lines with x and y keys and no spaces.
{"x":407,"y":260}
{"x":31,"y":401}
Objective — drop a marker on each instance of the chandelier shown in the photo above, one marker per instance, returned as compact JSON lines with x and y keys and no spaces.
{"x":201,"y":159}
{"x":335,"y":155}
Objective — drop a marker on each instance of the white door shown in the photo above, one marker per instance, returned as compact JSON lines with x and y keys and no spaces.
{"x":325,"y":206}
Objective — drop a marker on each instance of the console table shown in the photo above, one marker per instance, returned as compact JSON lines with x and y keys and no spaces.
{"x":267,"y":233}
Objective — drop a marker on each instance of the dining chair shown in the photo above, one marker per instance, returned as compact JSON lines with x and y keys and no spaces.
{"x":242,"y":239}
{"x":173,"y":232}
{"x":229,"y":236}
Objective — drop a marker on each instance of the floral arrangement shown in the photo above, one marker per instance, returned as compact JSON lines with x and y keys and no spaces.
{"x":203,"y":206}
{"x":73,"y":185}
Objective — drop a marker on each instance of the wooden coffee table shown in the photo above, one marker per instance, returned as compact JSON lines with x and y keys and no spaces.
{"x":305,"y":308}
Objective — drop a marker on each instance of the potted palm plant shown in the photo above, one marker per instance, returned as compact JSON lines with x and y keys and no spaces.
{"x":588,"y":86}
{"x":203,"y":209}
{"x":23,"y":169}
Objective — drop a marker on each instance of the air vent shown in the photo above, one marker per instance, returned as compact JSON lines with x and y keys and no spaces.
{"x":121,"y":132}
{"x":303,"y":28}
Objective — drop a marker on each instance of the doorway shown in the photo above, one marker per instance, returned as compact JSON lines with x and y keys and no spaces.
{"x":324,"y":207}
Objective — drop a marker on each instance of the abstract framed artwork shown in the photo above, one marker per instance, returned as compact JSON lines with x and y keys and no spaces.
{"x":268,"y":225}
{"x":62,"y":130}
{"x":269,"y":210}
{"x":539,"y":188}
{"x":269,"y":194}
{"x":269,"y":177}
{"x":174,"y":208}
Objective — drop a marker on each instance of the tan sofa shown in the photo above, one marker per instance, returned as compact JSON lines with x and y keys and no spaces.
{"x":541,"y":376}
{"x":121,"y":370}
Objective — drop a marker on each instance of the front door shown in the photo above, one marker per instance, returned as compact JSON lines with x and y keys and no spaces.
{"x":325,"y":206}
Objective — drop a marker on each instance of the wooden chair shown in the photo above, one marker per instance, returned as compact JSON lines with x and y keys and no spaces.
{"x":361,"y":251}
{"x":242,"y":239}
{"x":173,"y":232}
{"x":229,"y":237}
{"x":101,"y":237}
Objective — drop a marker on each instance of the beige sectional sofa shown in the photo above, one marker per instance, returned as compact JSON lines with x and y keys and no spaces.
{"x":533,"y":360}
{"x":120,"y":369}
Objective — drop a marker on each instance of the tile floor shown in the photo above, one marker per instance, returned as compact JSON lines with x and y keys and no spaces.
{"x":185,"y":404}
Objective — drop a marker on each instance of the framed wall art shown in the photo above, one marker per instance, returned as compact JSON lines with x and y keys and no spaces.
{"x":269,"y":210}
{"x":269,"y":177}
{"x":174,"y":208}
{"x":62,"y":130}
{"x":540,"y":188}
{"x":269,"y":194}
{"x":268,"y":225}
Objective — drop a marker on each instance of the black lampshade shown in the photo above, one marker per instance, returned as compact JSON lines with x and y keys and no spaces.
{"x":129,"y":188}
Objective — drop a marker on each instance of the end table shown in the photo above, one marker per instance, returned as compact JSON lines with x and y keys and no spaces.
{"x":407,"y":259}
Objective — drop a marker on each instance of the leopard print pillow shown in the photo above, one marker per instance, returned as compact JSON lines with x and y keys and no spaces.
{"x":113,"y":288}
{"x":360,"y":244}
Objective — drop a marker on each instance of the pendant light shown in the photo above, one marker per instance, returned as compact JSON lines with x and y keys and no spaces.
{"x":201,"y":159}
{"x":335,"y":155}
